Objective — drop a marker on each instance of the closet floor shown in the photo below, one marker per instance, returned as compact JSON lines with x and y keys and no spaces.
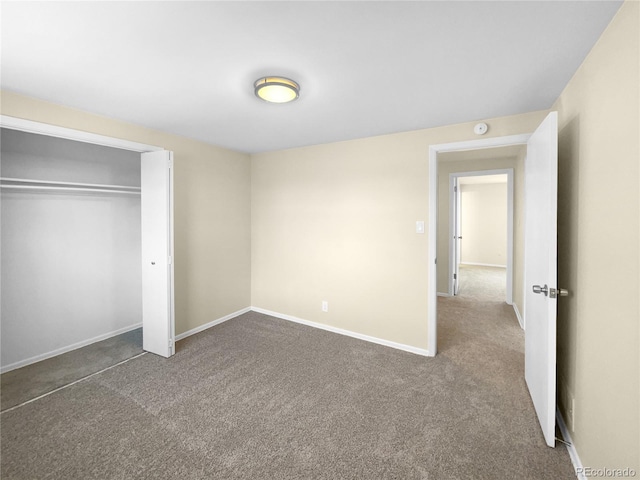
{"x":31,"y":381}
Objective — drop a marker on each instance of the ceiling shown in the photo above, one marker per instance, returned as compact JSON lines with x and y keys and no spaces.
{"x":365,"y":68}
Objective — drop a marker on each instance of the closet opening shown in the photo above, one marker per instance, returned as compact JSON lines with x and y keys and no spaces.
{"x":73,"y":255}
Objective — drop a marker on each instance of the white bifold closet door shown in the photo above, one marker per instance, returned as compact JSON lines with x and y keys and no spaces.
{"x":157,"y":253}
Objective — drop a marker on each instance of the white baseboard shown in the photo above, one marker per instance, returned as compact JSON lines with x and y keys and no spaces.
{"x":444,"y":294}
{"x":212,"y":323}
{"x":483,"y":264}
{"x":68,"y":348}
{"x":518,"y":316}
{"x":348,"y":333}
{"x":571,"y":448}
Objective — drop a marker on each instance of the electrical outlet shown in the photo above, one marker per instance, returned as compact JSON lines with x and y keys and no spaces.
{"x":325,"y":306}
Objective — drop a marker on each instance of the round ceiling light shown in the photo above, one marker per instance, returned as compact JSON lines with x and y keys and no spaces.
{"x":276,"y":89}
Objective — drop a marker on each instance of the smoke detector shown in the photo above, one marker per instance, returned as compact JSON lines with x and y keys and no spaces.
{"x":480,"y":129}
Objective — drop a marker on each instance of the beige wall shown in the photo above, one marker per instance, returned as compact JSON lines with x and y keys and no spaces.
{"x":598,"y":232}
{"x":484,"y":224}
{"x":212,"y":210}
{"x":445,"y":168}
{"x":336,"y":222}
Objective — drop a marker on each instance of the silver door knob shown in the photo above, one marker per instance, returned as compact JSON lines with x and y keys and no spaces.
{"x":539,"y":289}
{"x":153,"y":263}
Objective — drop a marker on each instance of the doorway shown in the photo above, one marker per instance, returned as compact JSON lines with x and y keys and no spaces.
{"x":480,"y":241}
{"x":464,"y":156}
{"x":481,"y":219}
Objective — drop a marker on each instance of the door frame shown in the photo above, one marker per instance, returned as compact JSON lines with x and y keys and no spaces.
{"x":452,"y":218}
{"x":455,"y":225}
{"x":30,"y":126}
{"x":434,"y":150}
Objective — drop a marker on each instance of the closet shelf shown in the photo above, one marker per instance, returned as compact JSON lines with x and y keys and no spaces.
{"x":26,"y":184}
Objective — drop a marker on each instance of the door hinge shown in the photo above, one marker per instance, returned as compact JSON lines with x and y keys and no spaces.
{"x":170,"y":343}
{"x":170,"y":162}
{"x":455,"y":189}
{"x":455,"y":276}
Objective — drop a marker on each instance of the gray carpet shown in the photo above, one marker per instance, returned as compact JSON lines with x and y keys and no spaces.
{"x":262,"y":398}
{"x":22,"y":384}
{"x":483,"y":284}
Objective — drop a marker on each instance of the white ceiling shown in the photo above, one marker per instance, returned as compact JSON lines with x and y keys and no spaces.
{"x":365,"y":68}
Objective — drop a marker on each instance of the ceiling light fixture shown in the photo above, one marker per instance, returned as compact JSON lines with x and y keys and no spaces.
{"x":276,"y":89}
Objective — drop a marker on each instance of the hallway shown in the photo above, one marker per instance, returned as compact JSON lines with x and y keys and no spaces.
{"x":479,"y":316}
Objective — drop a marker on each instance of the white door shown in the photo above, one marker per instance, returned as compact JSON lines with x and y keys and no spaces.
{"x":457,"y":236}
{"x":157,"y":253}
{"x":541,"y":203}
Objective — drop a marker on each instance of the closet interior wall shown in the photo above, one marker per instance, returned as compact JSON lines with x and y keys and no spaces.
{"x":71,"y":249}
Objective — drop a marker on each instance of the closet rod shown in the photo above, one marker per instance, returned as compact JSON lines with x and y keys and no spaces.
{"x":28,"y":181}
{"x":69,"y":189}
